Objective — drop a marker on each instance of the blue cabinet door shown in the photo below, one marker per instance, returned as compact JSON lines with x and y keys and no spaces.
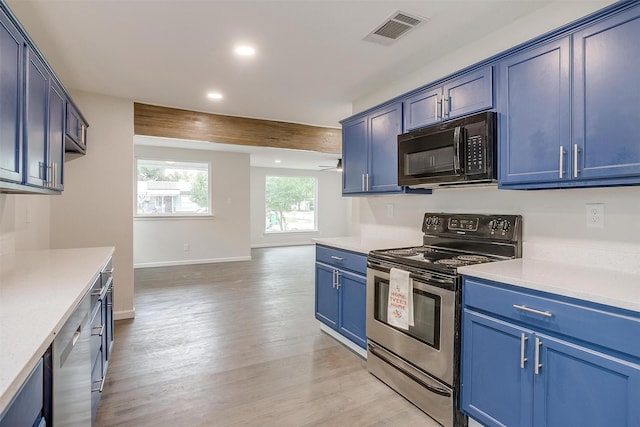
{"x":11,"y":84}
{"x":353,"y":300}
{"x":468,"y":94}
{"x":423,"y":108}
{"x":534,"y":108}
{"x":384,"y":127}
{"x":355,"y":155}
{"x":495,"y":389}
{"x":326,"y":296}
{"x":35,"y":129}
{"x":56,"y":125}
{"x":580,"y":387}
{"x":607,"y":98}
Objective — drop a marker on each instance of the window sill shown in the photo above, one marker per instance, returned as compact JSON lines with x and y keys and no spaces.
{"x":281,"y":233}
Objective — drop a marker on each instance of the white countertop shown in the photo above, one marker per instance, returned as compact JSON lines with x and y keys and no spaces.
{"x":38,"y":292}
{"x":363,"y":244}
{"x":598,"y":285}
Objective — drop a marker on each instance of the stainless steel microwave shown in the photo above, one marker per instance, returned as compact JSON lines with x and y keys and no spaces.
{"x":461,"y":151}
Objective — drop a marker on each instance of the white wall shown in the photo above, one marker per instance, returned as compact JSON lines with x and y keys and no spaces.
{"x":24,"y":222}
{"x":526,"y":28}
{"x":222,"y":237}
{"x":333,"y":210}
{"x":95,"y":208}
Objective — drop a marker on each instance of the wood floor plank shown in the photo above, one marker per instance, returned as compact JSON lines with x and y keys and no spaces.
{"x":237,"y":344}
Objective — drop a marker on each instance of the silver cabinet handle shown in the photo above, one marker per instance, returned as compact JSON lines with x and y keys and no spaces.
{"x":561,"y":161}
{"x":446,"y":105}
{"x":101,"y":382}
{"x":333,"y":279}
{"x":363,"y":188}
{"x":367,"y":188}
{"x":523,"y":344}
{"x":337,"y":279}
{"x":99,"y":334}
{"x":575,"y":160}
{"x":532,"y":310}
{"x":537,"y":365}
{"x":337,"y":258}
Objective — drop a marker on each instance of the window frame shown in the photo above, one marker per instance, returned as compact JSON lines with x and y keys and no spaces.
{"x":181,"y":215}
{"x":315,"y":205}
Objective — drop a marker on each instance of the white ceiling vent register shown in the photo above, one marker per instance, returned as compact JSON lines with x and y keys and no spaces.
{"x":394,"y":27}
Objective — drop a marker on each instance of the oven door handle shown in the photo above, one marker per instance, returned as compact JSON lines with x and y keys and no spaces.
{"x":433,"y":389}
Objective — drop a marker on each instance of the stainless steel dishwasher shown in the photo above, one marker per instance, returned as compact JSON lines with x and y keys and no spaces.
{"x":72,"y":369}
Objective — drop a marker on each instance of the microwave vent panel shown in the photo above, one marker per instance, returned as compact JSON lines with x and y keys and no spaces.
{"x":394,"y":27}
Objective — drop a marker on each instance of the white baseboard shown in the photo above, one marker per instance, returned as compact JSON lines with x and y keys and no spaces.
{"x":190,"y":262}
{"x":124,"y":314}
{"x":350,"y":344}
{"x":273,"y":245}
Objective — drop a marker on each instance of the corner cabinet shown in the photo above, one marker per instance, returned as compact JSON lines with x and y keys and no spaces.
{"x":535,"y":359}
{"x":568,"y":109}
{"x":370,"y":153}
{"x":457,"y":97}
{"x":341,"y":284}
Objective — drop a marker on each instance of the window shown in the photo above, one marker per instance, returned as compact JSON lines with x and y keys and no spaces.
{"x":290,"y":204}
{"x":168,"y":188}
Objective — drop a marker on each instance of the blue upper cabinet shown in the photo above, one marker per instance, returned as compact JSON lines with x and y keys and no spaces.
{"x":37,"y":89}
{"x":569,"y":108}
{"x":534,"y":109}
{"x":464,"y":95}
{"x":354,"y":154}
{"x":370,"y":152}
{"x":606,"y":122}
{"x":11,"y":83}
{"x":56,"y":141}
{"x":384,"y":127}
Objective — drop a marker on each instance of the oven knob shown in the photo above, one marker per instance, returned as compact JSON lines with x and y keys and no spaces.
{"x":428,"y":221}
{"x":505,"y":225}
{"x":436,"y":220}
{"x":493,"y":224}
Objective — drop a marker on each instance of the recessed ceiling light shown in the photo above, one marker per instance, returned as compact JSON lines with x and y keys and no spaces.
{"x":245,"y":51}
{"x":214,"y":95}
{"x":278,"y":161}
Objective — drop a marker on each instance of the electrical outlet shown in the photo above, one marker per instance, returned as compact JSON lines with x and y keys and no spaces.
{"x":185,"y":247}
{"x":595,"y":215}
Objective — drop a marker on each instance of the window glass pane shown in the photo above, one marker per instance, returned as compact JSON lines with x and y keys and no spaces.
{"x":290,"y":204}
{"x":166,"y":188}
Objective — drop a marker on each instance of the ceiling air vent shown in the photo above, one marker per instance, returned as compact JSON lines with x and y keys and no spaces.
{"x":394,"y":27}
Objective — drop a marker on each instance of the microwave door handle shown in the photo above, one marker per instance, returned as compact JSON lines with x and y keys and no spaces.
{"x":456,"y":142}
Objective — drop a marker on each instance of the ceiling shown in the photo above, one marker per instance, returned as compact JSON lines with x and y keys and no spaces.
{"x":311,"y":60}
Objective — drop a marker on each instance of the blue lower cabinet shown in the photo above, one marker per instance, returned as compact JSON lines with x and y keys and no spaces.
{"x":341,"y":285}
{"x":353,"y":295}
{"x":26,"y":408}
{"x":495,"y":389}
{"x":532,"y":367}
{"x":577,"y":386}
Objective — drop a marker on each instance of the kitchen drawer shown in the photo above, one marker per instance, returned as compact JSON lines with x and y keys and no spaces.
{"x":342,"y":259}
{"x":579,"y":320}
{"x":97,"y":330}
{"x":96,"y":387}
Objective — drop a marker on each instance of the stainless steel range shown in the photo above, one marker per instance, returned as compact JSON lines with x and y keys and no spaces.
{"x":421,"y":361}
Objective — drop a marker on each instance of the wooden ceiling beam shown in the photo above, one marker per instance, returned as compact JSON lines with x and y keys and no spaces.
{"x":152,"y":120}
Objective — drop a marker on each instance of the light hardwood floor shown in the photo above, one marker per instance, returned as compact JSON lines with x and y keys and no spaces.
{"x":237,"y":344}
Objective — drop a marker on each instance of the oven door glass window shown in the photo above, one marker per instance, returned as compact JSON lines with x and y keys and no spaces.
{"x":426,"y":313}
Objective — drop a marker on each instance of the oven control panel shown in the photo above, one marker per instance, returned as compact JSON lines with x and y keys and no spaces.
{"x":499,"y":227}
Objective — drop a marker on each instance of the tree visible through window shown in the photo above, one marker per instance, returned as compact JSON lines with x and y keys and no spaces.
{"x":166,"y":188}
{"x":290,"y":204}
